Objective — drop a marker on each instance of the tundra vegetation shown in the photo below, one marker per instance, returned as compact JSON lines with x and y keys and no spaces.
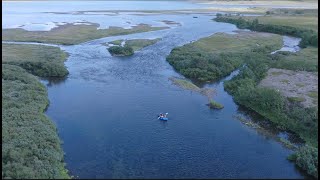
{"x":216,"y":56}
{"x":305,"y":28}
{"x":30,"y":144}
{"x":43,"y":61}
{"x":195,"y":61}
{"x":70,"y":34}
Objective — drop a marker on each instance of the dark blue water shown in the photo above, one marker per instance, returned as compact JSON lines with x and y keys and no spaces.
{"x":106,"y":114}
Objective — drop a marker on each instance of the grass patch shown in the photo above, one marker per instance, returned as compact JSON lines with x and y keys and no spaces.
{"x":296,"y":99}
{"x":216,"y":56}
{"x":30,"y":144}
{"x":116,"y":42}
{"x":215,"y":105}
{"x":304,"y":60}
{"x":70,"y":34}
{"x":185,"y":84}
{"x":43,"y":61}
{"x":280,"y":25}
{"x":277,"y":73}
{"x":300,"y":85}
{"x":138,"y":44}
{"x":313,"y":94}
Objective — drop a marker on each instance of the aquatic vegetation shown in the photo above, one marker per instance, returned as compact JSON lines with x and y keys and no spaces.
{"x":43,"y":61}
{"x":121,"y":51}
{"x":185,"y":84}
{"x":214,"y":105}
{"x":30,"y":143}
{"x":69,"y":34}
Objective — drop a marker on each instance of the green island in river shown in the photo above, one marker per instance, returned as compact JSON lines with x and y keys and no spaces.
{"x":130,"y":46}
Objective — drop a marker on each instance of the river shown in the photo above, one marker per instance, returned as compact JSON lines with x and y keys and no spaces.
{"x":106,"y":114}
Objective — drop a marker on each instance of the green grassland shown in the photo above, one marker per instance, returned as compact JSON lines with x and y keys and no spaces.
{"x":70,"y":34}
{"x":43,"y":61}
{"x":300,"y":26}
{"x":138,"y":44}
{"x":304,"y":60}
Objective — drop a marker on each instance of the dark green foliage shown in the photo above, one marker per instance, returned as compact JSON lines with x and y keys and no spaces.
{"x":43,"y":68}
{"x":30,"y":144}
{"x":309,"y":37}
{"x":306,"y":158}
{"x":201,"y":65}
{"x":121,"y":51}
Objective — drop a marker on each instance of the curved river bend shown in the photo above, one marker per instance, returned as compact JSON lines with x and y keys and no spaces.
{"x":106,"y":114}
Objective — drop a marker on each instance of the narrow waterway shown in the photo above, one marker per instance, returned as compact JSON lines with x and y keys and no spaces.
{"x":106,"y":115}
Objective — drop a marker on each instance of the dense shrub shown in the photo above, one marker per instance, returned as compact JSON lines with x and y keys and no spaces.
{"x":121,"y":51}
{"x":309,"y":37}
{"x":43,"y":68}
{"x":307,"y":158}
{"x":201,"y":65}
{"x":30,"y":144}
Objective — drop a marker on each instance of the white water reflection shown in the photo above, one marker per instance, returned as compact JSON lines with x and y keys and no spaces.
{"x":290,"y":44}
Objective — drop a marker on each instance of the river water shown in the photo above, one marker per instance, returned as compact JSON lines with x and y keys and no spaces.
{"x":106,"y":114}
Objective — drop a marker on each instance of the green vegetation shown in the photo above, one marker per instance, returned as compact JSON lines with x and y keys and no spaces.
{"x":306,"y":158}
{"x":185,"y":84}
{"x":208,"y":92}
{"x":296,"y":99}
{"x":313,"y":94}
{"x":116,"y":42}
{"x":30,"y":144}
{"x":70,"y":34}
{"x":287,"y":143}
{"x":270,"y":103}
{"x":284,"y":27}
{"x":304,"y":60}
{"x":214,"y":105}
{"x":43,"y":61}
{"x":216,"y":56}
{"x":138,"y":44}
{"x":121,"y":51}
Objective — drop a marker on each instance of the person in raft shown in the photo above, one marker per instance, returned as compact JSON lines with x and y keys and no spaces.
{"x":161,"y":115}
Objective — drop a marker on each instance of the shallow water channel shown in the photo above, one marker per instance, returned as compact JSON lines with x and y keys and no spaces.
{"x":106,"y":115}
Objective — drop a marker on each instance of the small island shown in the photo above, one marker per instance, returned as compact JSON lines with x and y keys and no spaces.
{"x":121,"y":50}
{"x":127,"y":48}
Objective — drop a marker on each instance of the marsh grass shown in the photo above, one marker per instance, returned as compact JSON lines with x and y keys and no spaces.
{"x":70,"y":34}
{"x":43,"y":61}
